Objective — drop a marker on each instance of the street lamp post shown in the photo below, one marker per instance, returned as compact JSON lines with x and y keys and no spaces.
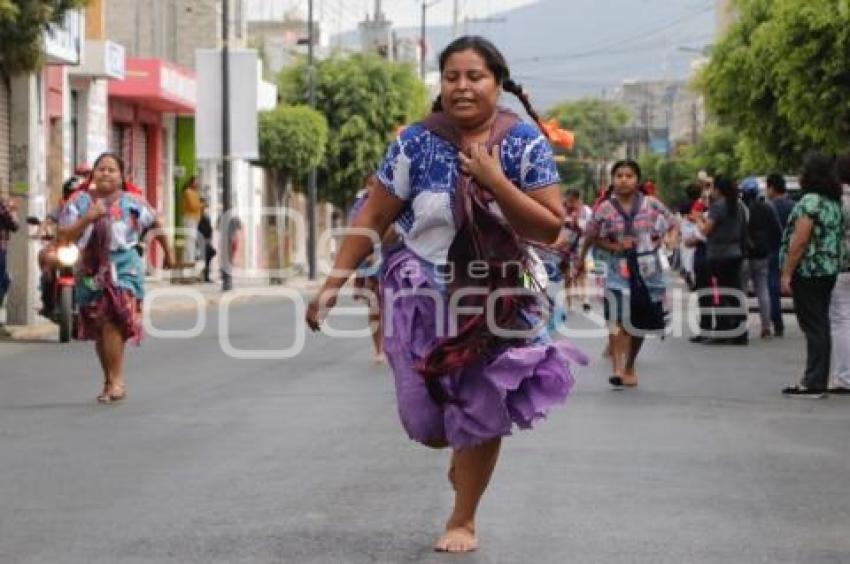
{"x":226,"y":259}
{"x":423,"y":35}
{"x":311,"y":178}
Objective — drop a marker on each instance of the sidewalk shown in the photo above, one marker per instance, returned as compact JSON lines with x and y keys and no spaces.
{"x":164,"y":304}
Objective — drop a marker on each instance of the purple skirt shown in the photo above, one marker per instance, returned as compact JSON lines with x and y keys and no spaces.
{"x":481,"y":402}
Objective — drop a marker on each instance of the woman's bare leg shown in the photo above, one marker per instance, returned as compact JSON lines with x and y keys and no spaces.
{"x":113,"y":354}
{"x":470,"y":473}
{"x":619,"y":341}
{"x":101,"y":356}
{"x":583,"y":291}
{"x":377,"y":337}
{"x":630,"y":377}
{"x":375,"y":315}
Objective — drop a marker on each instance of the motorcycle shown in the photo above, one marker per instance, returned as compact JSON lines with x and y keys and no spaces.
{"x":56,"y":261}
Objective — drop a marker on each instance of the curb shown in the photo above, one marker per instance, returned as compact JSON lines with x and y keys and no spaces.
{"x":47,"y":331}
{"x":36,"y":332}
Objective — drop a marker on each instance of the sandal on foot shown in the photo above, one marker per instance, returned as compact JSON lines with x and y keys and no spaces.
{"x":803,"y":392}
{"x":111,"y":397}
{"x":616,"y":382}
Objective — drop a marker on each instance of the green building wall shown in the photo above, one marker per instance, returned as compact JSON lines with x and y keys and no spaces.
{"x":185,"y":160}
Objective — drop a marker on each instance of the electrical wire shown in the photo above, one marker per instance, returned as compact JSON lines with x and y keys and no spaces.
{"x":606,"y":47}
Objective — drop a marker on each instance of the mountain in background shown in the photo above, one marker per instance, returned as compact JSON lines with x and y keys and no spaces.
{"x":566,"y":49}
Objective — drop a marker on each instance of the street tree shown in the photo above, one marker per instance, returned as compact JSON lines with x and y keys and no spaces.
{"x":22,"y":27}
{"x":365,"y":100}
{"x":598,"y":127}
{"x":292,"y":140}
{"x":8,"y":11}
{"x":717,"y":151}
{"x":781,"y":78}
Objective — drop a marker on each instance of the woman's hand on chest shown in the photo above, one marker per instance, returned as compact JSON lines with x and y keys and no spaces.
{"x":485,"y":167}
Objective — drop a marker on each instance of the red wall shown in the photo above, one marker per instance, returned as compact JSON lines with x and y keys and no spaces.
{"x":135,"y":116}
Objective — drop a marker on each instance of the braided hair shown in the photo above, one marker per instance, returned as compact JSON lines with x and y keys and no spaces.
{"x":496,"y":64}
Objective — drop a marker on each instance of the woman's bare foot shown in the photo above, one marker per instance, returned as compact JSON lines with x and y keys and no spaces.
{"x":111,"y":393}
{"x":630,"y":378}
{"x":457,"y":539}
{"x":104,"y":395}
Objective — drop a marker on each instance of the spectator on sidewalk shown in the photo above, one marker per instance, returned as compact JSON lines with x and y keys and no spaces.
{"x":839,"y":312}
{"x":8,"y":224}
{"x":205,"y":230}
{"x":235,"y":240}
{"x":764,"y":235}
{"x":702,"y":276}
{"x":810,"y":257}
{"x":191,"y":216}
{"x":691,"y":236}
{"x":578,"y":217}
{"x":777,"y":197}
{"x":724,"y":229}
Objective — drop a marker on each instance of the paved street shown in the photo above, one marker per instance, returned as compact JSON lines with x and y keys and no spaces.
{"x":213,"y":459}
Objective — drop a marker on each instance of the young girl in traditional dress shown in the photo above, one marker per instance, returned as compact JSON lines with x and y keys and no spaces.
{"x":628,"y":221}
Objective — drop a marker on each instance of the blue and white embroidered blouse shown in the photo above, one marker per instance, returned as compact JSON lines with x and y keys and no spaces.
{"x":422,"y":168}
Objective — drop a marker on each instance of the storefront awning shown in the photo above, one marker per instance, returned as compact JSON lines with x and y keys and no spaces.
{"x":158,"y":85}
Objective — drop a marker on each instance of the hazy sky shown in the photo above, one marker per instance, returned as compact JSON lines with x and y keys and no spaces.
{"x":341,"y":15}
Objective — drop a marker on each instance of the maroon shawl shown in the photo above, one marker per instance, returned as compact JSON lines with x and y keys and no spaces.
{"x":96,"y":264}
{"x":484,"y":236}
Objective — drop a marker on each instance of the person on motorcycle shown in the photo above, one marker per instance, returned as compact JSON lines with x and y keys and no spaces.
{"x":47,"y":257}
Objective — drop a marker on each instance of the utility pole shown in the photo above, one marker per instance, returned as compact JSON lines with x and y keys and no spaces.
{"x":423,"y":35}
{"x":311,"y":178}
{"x":456,"y":19}
{"x":226,"y":259}
{"x":603,"y":165}
{"x":422,"y":41}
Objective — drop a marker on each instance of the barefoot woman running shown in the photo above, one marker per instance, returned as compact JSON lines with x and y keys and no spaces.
{"x":454,"y":198}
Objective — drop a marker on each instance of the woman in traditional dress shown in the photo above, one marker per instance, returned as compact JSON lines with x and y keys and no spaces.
{"x":107,"y":221}
{"x":463,"y":188}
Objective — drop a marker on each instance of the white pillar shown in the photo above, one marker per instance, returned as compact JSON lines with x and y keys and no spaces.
{"x":29,"y":180}
{"x":67,"y":165}
{"x":168,"y":201}
{"x":97,"y":120}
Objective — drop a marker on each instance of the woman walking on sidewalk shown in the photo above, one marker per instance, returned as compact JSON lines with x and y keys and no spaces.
{"x":106,"y":221}
{"x":464,"y":185}
{"x":811,"y":257}
{"x":629,"y":223}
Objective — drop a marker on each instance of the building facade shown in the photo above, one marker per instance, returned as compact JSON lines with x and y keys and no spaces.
{"x":52,"y":121}
{"x":664,"y":114}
